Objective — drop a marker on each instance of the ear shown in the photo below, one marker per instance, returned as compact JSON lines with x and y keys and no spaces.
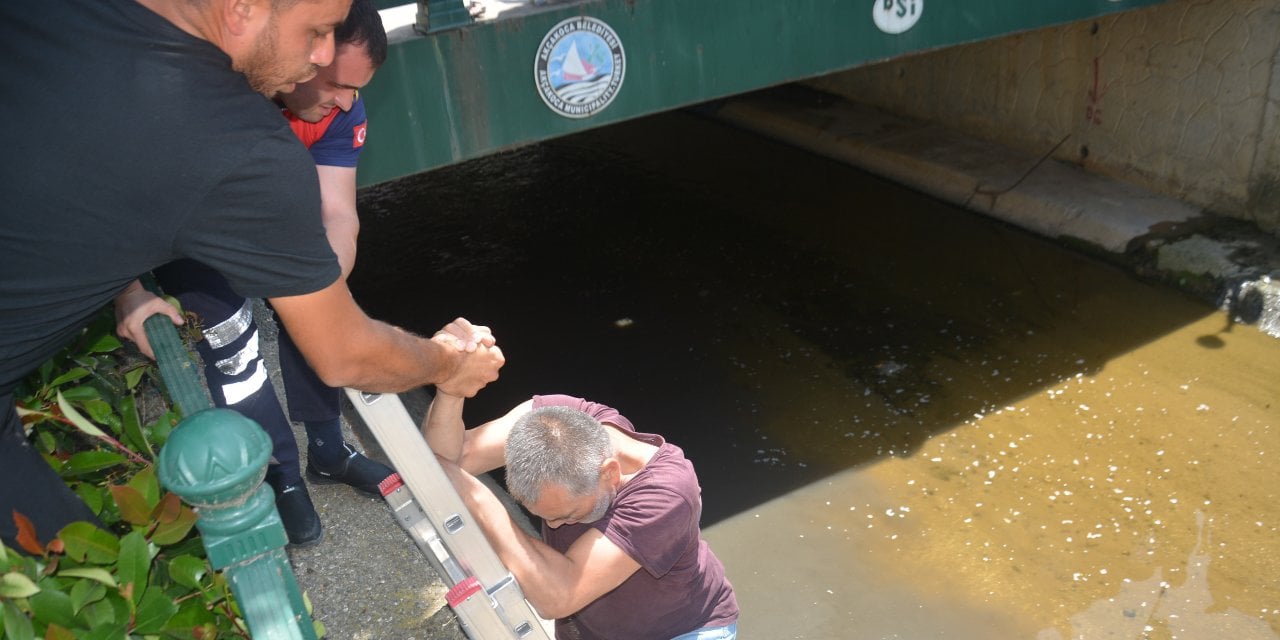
{"x":241,"y":16}
{"x":611,"y":472}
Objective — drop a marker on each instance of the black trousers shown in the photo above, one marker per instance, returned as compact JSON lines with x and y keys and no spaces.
{"x":235,"y":371}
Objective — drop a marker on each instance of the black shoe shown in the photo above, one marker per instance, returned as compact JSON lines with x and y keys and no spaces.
{"x":301,"y":522}
{"x":355,"y":470}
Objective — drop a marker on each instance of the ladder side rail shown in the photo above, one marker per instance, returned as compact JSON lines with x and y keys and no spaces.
{"x":505,"y":612}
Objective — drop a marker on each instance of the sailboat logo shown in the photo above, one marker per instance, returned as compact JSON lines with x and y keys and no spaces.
{"x":579,"y":67}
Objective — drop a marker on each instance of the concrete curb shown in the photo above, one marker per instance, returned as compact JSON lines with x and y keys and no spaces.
{"x":1228,"y":263}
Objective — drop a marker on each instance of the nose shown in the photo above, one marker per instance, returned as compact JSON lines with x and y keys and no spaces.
{"x":323,"y":52}
{"x":345,"y":99}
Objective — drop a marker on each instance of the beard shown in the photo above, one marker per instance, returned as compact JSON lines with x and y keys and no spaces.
{"x":601,"y":508}
{"x":266,"y":72}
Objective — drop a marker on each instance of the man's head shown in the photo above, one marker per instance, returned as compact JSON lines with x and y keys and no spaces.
{"x":561,"y":466}
{"x":361,"y":47}
{"x":279,"y":43}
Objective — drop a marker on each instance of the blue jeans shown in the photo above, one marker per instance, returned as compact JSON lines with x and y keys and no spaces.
{"x":711,"y":633}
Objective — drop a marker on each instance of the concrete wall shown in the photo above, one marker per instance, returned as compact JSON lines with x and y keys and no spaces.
{"x":1182,"y":98}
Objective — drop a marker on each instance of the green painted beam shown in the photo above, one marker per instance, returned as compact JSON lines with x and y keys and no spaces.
{"x":468,"y":92}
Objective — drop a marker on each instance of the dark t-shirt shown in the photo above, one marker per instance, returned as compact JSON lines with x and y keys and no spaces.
{"x":130,"y":143}
{"x":681,"y":584}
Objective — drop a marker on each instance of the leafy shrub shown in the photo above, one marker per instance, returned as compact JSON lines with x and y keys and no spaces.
{"x":146,"y":576}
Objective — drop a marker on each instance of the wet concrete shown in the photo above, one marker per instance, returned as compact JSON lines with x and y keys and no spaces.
{"x":908,"y":421}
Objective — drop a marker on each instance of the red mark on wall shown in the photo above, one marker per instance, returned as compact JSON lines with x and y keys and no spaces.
{"x":1093,"y":106}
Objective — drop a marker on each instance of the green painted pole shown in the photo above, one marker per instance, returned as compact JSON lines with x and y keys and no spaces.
{"x":177,"y":367}
{"x":216,"y":460}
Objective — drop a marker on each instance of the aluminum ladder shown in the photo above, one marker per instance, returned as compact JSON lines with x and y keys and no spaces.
{"x":482,"y":592}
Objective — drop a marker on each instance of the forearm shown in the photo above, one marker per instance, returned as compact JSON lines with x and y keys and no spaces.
{"x":443,"y":428}
{"x":546,"y":576}
{"x":338,"y":212}
{"x":346,"y":348}
{"x":342,"y":233}
{"x":381,"y":358}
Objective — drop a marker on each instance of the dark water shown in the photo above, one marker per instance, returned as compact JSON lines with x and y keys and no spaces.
{"x":908,"y":421}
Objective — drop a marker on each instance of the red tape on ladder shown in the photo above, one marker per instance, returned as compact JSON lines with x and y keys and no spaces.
{"x":463,"y":590}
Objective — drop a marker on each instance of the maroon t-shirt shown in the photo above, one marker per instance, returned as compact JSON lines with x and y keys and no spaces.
{"x":681,"y":584}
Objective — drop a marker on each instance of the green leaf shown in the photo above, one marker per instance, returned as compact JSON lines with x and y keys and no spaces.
{"x":131,"y":427}
{"x":105,"y":343}
{"x":153,"y":612}
{"x":145,"y":483}
{"x":91,"y":461}
{"x":163,"y":426}
{"x":70,"y":376}
{"x":74,"y":416}
{"x":52,"y":605}
{"x":80,"y":394}
{"x":170,"y":531}
{"x":108,"y":631}
{"x":45,"y":371}
{"x":57,"y":632}
{"x":87,"y":542}
{"x":17,"y":585}
{"x":85,"y":591}
{"x":188,"y":570}
{"x":133,"y":506}
{"x":16,"y":624}
{"x":101,"y":412}
{"x":97,"y":574}
{"x":91,"y":495}
{"x":191,"y":614}
{"x":135,"y":563}
{"x":133,"y":376}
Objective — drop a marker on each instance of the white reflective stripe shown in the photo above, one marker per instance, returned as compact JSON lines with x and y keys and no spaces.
{"x":225,"y":332}
{"x":237,"y":391}
{"x":239,"y":361}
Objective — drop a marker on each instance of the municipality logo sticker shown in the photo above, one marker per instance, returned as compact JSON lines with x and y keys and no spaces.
{"x":897,"y":16}
{"x":579,"y":67}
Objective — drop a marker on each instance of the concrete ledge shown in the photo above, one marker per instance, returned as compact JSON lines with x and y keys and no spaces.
{"x":1220,"y":260}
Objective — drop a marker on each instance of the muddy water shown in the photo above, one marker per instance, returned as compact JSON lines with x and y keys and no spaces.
{"x":909,"y":422}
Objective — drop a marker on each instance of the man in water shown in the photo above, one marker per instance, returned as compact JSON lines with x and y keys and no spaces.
{"x":621,"y":555}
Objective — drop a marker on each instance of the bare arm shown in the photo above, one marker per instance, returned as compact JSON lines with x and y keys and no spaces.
{"x":347,"y":348}
{"x":133,"y":306}
{"x":477,"y":450}
{"x":556,"y":584}
{"x":443,"y":428}
{"x":338,"y":212}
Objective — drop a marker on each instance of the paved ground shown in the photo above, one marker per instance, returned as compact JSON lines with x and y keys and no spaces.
{"x":366,"y":579}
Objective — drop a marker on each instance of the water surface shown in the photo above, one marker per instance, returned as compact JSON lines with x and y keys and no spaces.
{"x":908,"y":421}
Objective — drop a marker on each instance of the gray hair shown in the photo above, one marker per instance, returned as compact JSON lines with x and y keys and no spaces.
{"x":556,"y":445}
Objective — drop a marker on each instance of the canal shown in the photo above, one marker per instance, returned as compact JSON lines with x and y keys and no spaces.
{"x":908,"y":421}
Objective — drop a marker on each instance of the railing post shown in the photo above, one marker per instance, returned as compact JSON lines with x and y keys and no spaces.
{"x":216,"y":460}
{"x":439,"y":15}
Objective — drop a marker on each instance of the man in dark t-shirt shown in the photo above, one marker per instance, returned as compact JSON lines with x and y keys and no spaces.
{"x":328,"y":116}
{"x":622,"y":554}
{"x":143,"y":136}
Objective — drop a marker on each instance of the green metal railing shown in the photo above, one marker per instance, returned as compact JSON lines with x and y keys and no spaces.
{"x":216,"y":460}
